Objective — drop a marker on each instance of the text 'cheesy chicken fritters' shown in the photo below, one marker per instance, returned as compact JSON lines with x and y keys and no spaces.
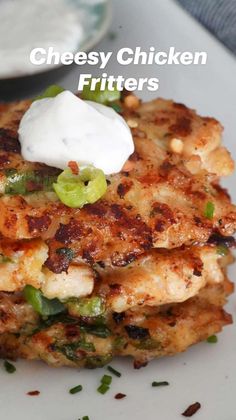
{"x":151,"y":253}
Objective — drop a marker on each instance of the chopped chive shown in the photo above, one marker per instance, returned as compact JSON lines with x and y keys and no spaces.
{"x":209,"y":210}
{"x":162,"y":383}
{"x":114,"y":371}
{"x":10,"y":368}
{"x":212,"y":339}
{"x":222,"y":250}
{"x":103,"y":388}
{"x":76,"y":389}
{"x":106,"y":379}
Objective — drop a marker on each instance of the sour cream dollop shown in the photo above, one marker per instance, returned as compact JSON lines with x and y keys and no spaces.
{"x":57,"y":130}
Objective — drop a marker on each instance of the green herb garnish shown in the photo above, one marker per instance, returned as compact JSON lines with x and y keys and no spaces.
{"x":147,"y":344}
{"x":101,"y":96}
{"x":27,"y":182}
{"x":106,"y":379}
{"x":209,"y":210}
{"x":162,"y":383}
{"x":9,"y":367}
{"x":222,"y":250}
{"x":88,"y":307}
{"x":70,"y":350}
{"x":76,"y":389}
{"x":103,"y":388}
{"x":40,"y":303}
{"x":119,"y":342}
{"x":114,"y":371}
{"x":77,"y":190}
{"x":105,"y":384}
{"x":84,"y":418}
{"x":212,"y":339}
{"x":50,"y":92}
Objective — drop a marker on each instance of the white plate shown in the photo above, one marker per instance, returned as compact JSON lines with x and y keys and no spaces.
{"x":206,"y":372}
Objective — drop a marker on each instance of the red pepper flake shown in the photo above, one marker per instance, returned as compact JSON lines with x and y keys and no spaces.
{"x":191,"y":410}
{"x":74,"y":167}
{"x":119,"y":396}
{"x":33,"y":393}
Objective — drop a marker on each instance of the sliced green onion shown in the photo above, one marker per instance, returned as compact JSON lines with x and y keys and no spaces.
{"x":106,"y":379}
{"x":98,"y":95}
{"x":162,"y":383}
{"x":147,"y":344}
{"x":9,"y":367}
{"x":24,"y":183}
{"x":209,"y":210}
{"x":103,"y":388}
{"x":222,"y":250}
{"x":40,"y":303}
{"x":76,"y":389}
{"x":77,"y":190}
{"x":105,"y":384}
{"x":212,"y":339}
{"x":88,"y":307}
{"x":114,"y":371}
{"x":50,"y":92}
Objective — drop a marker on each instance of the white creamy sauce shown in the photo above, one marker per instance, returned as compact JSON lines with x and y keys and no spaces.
{"x":27,"y":24}
{"x":57,"y":130}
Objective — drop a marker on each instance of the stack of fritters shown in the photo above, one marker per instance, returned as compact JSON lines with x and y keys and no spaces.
{"x":153,"y":251}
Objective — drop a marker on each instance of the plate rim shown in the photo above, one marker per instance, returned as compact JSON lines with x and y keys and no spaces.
{"x":87,"y":46}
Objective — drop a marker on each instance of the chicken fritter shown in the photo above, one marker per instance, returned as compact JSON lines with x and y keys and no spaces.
{"x":143,"y":334}
{"x":178,"y":129}
{"x":161,"y":277}
{"x":161,"y":202}
{"x":155,"y":278}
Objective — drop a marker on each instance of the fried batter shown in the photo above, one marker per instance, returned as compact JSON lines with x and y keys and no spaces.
{"x":142,"y":334}
{"x":160,"y":203}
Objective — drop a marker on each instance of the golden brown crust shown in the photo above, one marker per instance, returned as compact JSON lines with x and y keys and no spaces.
{"x":142,"y":334}
{"x":157,"y":277}
{"x":160,"y":277}
{"x":160,"y":203}
{"x":179,"y":129}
